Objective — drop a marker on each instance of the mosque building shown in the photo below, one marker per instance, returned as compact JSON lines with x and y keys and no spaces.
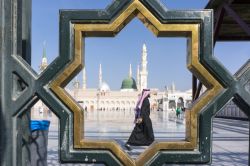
{"x":103,"y":98}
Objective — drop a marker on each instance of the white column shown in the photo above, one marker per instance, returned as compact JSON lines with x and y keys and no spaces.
{"x":144,"y":71}
{"x":138,"y":78}
{"x":100,"y":75}
{"x":130,"y":71}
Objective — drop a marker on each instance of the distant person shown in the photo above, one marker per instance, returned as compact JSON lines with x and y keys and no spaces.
{"x":178,"y":112}
{"x":142,"y":134}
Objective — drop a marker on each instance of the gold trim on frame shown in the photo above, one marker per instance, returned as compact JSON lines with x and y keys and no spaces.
{"x":137,"y":9}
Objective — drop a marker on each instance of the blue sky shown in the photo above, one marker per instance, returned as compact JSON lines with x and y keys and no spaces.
{"x":166,"y":56}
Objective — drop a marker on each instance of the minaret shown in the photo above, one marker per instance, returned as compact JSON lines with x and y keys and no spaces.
{"x":173,"y":87}
{"x":144,"y":71}
{"x":130,"y":71}
{"x":100,"y":75}
{"x":84,"y":79}
{"x":44,"y":63}
{"x":138,"y":78}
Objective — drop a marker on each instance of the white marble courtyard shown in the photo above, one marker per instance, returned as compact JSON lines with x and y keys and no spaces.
{"x":230,"y":137}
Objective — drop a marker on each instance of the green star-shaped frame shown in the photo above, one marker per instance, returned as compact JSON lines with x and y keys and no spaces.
{"x":85,"y":25}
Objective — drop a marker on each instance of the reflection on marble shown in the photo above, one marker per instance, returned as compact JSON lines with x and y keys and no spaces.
{"x":230,"y":137}
{"x":118,"y":125}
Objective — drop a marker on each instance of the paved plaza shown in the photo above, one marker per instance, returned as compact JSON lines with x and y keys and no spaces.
{"x":230,"y":137}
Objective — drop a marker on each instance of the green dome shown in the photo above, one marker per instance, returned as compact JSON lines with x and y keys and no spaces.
{"x":129,"y":83}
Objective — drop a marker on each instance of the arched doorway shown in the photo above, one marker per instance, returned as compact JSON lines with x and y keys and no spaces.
{"x":172,"y":104}
{"x":180,"y":102}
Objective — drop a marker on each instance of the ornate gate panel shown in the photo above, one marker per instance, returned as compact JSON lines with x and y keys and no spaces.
{"x":27,"y":87}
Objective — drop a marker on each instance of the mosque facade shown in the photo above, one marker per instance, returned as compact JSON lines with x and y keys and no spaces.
{"x":103,"y":98}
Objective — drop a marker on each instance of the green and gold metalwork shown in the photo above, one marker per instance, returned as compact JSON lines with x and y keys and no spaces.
{"x":195,"y":25}
{"x":137,"y":9}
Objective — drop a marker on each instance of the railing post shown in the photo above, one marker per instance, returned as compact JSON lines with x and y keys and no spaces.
{"x":14,"y":17}
{"x":26,"y":12}
{"x":6,"y":123}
